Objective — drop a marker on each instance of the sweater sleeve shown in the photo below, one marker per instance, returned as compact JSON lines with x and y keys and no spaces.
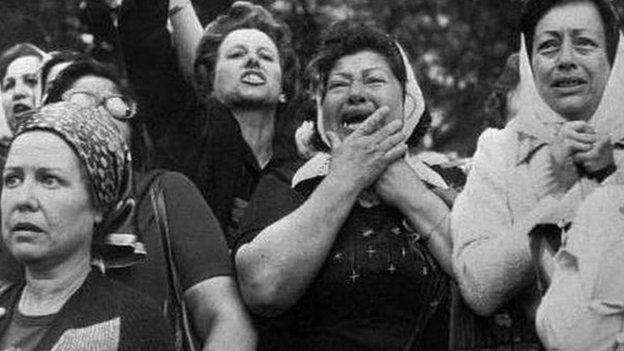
{"x":167,"y":103}
{"x":491,"y":255}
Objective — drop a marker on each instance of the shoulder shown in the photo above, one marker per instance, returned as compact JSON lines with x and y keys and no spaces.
{"x":496,"y":150}
{"x":175,"y":181}
{"x":497,"y":143}
{"x":171,"y":183}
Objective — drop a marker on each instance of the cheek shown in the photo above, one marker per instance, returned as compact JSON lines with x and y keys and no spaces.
{"x":224,"y":76}
{"x":541,"y":68}
{"x":330,"y":108}
{"x":6,"y":98}
{"x":37,"y":96}
{"x":276,"y":74}
{"x":393,"y":98}
{"x":600,"y":72}
{"x":74,"y":217}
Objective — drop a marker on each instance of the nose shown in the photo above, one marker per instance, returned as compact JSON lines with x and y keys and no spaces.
{"x":356,"y":94}
{"x":21,"y":90}
{"x":566,"y":58}
{"x":253,"y":61}
{"x":24,"y":197}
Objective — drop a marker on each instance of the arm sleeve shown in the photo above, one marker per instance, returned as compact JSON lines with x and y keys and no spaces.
{"x":198,"y":243}
{"x":273,"y":199}
{"x":491,"y":255}
{"x":167,"y":102}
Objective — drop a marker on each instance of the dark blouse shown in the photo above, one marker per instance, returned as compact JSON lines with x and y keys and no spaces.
{"x":195,"y":136}
{"x":379,"y":289}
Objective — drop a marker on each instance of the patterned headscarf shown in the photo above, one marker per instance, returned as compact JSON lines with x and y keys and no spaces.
{"x":105,"y":156}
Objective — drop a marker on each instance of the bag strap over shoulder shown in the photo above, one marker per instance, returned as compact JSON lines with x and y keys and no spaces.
{"x":182,"y":327}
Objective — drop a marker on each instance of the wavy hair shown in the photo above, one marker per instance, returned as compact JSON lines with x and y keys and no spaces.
{"x":245,"y":15}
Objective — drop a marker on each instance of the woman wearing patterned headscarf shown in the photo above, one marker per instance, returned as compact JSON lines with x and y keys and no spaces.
{"x":199,"y":271}
{"x":351,"y":250}
{"x":66,"y":176}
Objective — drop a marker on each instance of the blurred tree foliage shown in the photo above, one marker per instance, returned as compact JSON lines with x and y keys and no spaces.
{"x":458,"y":47}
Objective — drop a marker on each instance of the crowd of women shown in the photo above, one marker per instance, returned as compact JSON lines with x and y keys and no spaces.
{"x":201,"y":200}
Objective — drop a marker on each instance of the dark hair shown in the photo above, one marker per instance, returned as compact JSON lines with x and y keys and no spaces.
{"x":245,"y":15}
{"x":15,"y":52}
{"x":141,"y":146}
{"x":58,"y":57}
{"x":348,"y":37}
{"x":534,"y":10}
{"x":495,"y":106}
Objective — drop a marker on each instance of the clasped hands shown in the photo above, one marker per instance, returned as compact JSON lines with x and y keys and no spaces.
{"x":589,"y":150}
{"x":372,"y":155}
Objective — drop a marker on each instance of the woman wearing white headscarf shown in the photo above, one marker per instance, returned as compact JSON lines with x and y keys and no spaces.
{"x":564,"y":144}
{"x":349,"y":251}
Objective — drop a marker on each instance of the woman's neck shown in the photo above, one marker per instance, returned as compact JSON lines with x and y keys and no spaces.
{"x":47,"y":290}
{"x":257,"y":128}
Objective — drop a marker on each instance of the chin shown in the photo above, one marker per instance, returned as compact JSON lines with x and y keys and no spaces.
{"x":28,"y":253}
{"x":574,"y":109}
{"x":252,"y":101}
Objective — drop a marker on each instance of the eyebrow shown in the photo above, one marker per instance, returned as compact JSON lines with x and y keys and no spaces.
{"x":340,"y":74}
{"x":575,"y":31}
{"x":365,"y":72}
{"x":236,"y":47}
{"x":46,"y":169}
{"x":376,"y":68}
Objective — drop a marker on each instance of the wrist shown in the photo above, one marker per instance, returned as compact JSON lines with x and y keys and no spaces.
{"x":338,"y":186}
{"x":603,"y":173}
{"x":176,"y":7}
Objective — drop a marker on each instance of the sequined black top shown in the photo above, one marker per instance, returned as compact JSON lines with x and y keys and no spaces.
{"x":379,"y":289}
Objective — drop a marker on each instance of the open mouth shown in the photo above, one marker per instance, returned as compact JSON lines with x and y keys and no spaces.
{"x":253,"y":78}
{"x":20,"y":108}
{"x":568,"y":82}
{"x":26,"y":227}
{"x":351,"y":119}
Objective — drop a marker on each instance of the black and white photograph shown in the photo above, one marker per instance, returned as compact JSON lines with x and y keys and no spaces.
{"x":312,"y":175}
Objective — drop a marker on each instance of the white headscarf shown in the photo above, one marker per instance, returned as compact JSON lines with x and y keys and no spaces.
{"x":538,"y":124}
{"x":535,"y":118}
{"x":413,"y":108}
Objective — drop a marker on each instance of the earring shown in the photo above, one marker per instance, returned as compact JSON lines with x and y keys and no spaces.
{"x":282,"y":98}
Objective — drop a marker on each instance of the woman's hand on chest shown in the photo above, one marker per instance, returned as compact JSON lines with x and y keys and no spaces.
{"x":398,"y":184}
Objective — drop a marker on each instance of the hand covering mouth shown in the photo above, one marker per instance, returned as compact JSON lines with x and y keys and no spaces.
{"x":253,"y":78}
{"x":568,"y":82}
{"x":26,"y":227}
{"x":21,"y":108}
{"x":352,"y":118}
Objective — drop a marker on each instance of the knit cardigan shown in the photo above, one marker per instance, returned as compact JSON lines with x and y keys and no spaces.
{"x":507,"y":193}
{"x":101,"y":315}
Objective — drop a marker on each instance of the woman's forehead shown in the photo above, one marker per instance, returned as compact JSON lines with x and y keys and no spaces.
{"x":573,"y":15}
{"x":43,"y":149}
{"x":360,"y":62}
{"x":248,"y":38}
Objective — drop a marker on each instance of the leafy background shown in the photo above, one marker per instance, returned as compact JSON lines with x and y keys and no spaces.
{"x":458,"y":46}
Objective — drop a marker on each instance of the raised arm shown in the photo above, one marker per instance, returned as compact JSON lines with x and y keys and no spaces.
{"x":187,"y":31}
{"x":166,"y":100}
{"x":278,"y":265}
